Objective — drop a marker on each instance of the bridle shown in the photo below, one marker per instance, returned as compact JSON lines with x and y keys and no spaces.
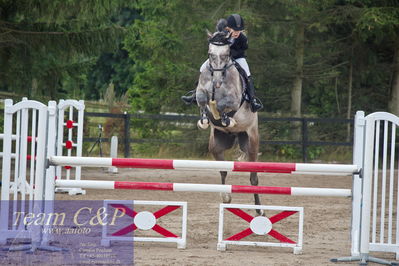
{"x":223,"y":69}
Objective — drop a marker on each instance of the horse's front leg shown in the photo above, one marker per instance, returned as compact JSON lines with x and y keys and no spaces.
{"x":203,"y":123}
{"x":202,"y":100}
{"x":223,"y":106}
{"x":228,"y":121}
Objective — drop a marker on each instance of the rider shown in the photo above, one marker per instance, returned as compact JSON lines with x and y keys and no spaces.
{"x":239,"y":43}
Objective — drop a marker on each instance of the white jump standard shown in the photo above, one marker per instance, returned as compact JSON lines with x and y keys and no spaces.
{"x":72,"y":141}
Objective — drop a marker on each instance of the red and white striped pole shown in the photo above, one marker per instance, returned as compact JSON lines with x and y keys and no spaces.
{"x":186,"y":187}
{"x":266,"y":167}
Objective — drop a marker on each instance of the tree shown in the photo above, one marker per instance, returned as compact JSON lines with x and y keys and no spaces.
{"x":45,"y":44}
{"x":368,"y":30}
{"x":112,"y":67}
{"x":379,"y":24}
{"x":167,"y":47}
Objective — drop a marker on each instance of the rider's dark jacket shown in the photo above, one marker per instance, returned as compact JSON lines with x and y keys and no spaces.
{"x":239,"y":46}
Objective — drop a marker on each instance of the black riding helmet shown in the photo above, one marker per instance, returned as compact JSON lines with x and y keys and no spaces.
{"x":235,"y":22}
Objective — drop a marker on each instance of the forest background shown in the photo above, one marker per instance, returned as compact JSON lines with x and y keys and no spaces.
{"x":309,"y":58}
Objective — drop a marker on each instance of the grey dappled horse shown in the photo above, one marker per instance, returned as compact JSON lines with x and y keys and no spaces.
{"x":220,"y":95}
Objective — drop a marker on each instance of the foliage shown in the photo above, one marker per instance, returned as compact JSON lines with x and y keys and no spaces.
{"x":48,"y":45}
{"x":114,"y":67}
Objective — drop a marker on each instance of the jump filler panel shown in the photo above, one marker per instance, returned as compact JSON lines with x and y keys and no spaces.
{"x":145,"y":220}
{"x":261,"y":226}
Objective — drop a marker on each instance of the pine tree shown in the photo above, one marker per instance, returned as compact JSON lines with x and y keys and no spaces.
{"x":47,"y":43}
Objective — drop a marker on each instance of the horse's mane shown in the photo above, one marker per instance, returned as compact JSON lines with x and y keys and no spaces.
{"x":220,"y":38}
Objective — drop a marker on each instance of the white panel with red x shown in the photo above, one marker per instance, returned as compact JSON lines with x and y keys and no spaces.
{"x":260,"y":225}
{"x":146,"y":220}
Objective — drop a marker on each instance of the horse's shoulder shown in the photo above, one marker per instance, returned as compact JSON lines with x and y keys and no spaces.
{"x":204,"y":77}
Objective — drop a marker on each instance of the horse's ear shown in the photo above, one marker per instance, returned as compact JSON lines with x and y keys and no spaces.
{"x":209,"y":34}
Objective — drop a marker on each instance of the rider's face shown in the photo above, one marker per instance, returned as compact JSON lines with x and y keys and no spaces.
{"x":234,"y":33}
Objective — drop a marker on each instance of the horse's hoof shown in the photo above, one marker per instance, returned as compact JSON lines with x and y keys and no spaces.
{"x":204,"y":124}
{"x":226,"y":197}
{"x":232,"y":123}
{"x":260,"y":212}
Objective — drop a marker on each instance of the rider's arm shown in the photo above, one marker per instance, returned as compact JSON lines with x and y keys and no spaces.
{"x":242,"y":42}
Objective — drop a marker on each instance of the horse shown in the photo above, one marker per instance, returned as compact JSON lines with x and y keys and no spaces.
{"x":221,"y":99}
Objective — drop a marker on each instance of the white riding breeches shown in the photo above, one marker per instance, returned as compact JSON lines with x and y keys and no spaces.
{"x":241,"y":61}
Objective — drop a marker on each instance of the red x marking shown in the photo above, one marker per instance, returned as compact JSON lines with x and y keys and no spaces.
{"x":157,"y":228}
{"x":273,"y":233}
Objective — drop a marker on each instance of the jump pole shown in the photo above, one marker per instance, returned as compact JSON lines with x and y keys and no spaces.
{"x":265,"y":167}
{"x":187,"y":187}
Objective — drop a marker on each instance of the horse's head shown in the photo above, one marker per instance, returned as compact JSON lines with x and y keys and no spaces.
{"x":220,"y":86}
{"x":219,"y":57}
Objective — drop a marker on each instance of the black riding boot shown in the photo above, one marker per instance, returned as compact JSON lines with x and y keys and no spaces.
{"x":189,"y":98}
{"x":256,"y":105}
